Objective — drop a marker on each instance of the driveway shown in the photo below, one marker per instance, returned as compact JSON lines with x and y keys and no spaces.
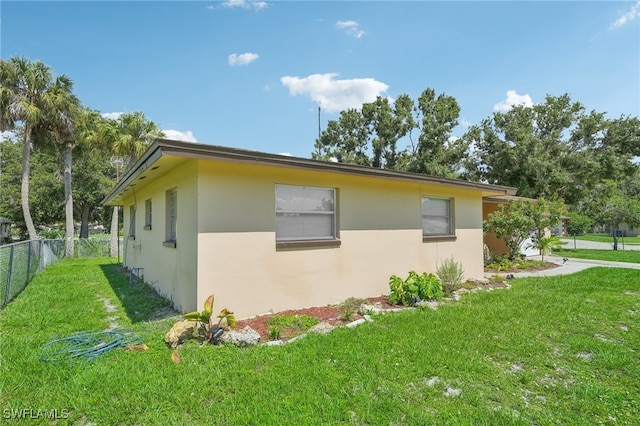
{"x":580,"y":244}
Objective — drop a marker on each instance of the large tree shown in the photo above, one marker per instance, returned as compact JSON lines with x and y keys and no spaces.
{"x":368,"y":136}
{"x":612,"y":203}
{"x":526,"y":147}
{"x":371,"y":135}
{"x":437,"y":152}
{"x":29,"y":97}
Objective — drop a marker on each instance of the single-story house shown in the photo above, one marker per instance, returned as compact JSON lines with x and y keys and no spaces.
{"x":5,"y":230}
{"x":266,"y":232}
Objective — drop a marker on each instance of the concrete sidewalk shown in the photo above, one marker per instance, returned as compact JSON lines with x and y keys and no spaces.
{"x":569,"y":267}
{"x":581,"y":244}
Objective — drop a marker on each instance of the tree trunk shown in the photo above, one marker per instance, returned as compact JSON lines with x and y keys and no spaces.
{"x":84,"y":220}
{"x":114,"y":232}
{"x":24,"y":190}
{"x":68,"y":202}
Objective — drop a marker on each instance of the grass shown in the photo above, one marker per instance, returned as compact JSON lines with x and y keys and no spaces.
{"x":606,"y":239}
{"x":557,"y":350}
{"x":631,"y":256}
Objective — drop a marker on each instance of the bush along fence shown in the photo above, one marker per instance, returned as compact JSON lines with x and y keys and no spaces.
{"x":20,"y":262}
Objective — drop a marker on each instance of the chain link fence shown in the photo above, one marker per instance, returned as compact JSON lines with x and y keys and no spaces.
{"x":20,"y":262}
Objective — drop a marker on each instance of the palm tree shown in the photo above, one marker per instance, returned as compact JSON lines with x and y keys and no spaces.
{"x":128,"y":135}
{"x":30,"y":96}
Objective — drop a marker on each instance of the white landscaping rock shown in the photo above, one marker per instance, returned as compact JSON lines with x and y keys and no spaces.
{"x":245,"y":337}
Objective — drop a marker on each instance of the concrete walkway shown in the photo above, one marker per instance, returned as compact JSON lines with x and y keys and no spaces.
{"x":593,"y":245}
{"x":570,"y":266}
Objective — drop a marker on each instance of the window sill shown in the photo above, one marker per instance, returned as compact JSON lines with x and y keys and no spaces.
{"x":436,"y":238}
{"x":170,"y":243}
{"x":307,"y":244}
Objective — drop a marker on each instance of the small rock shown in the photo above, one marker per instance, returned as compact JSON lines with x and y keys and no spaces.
{"x":374,"y":309}
{"x":322,"y":328}
{"x":431,"y":304}
{"x":245,"y":337}
{"x":356,"y":322}
{"x":181,"y":331}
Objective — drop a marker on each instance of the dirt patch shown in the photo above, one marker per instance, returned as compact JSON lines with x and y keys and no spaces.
{"x":330,"y":314}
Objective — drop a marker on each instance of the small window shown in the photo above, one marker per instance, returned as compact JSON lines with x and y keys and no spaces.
{"x":147,"y":214}
{"x":305,"y":214}
{"x":437,"y":220}
{"x":172,"y":217}
{"x":132,"y":222}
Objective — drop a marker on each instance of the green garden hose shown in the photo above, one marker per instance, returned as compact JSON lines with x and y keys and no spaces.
{"x":89,"y":344}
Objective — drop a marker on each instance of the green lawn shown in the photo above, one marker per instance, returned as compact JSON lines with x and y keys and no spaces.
{"x":606,"y":239}
{"x":548,"y":351}
{"x":631,"y":256}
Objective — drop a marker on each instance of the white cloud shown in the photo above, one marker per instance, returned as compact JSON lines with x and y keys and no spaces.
{"x":255,"y":5}
{"x":242,"y":59}
{"x":513,"y":99}
{"x":112,"y":115}
{"x":335,"y":95}
{"x":177,"y":135}
{"x":627,"y":17}
{"x":351,"y":28}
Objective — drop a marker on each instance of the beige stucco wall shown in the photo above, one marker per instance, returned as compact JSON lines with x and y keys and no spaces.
{"x":172,"y":271}
{"x":379,"y":228}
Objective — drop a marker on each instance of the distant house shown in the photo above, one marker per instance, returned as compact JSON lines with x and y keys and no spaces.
{"x":5,"y":230}
{"x":270,"y":232}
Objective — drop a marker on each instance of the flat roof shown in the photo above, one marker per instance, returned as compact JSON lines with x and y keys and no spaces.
{"x":149,"y":163}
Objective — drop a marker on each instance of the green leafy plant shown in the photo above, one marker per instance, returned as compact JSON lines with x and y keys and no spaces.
{"x":451,"y":275}
{"x":349,"y":307}
{"x":414,"y":289}
{"x":274,"y":333}
{"x":206,"y":323}
{"x":546,"y":244}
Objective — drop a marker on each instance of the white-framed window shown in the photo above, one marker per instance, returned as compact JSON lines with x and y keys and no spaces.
{"x":147,"y":214}
{"x":305,"y":213}
{"x":132,"y":221}
{"x":171,"y":197}
{"x":437,"y":217}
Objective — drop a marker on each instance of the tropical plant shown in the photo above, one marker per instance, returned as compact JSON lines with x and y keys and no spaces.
{"x":546,"y":244}
{"x":414,"y":289}
{"x":32,"y":98}
{"x":206,"y":323}
{"x":451,"y":275}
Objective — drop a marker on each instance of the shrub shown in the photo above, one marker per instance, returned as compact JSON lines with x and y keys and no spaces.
{"x":414,"y":289}
{"x":349,"y":307}
{"x":451,"y":275}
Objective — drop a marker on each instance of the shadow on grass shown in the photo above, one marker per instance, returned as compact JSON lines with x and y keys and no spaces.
{"x":140,"y":301}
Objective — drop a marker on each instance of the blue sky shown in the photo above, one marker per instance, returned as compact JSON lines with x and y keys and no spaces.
{"x":251,"y":74}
